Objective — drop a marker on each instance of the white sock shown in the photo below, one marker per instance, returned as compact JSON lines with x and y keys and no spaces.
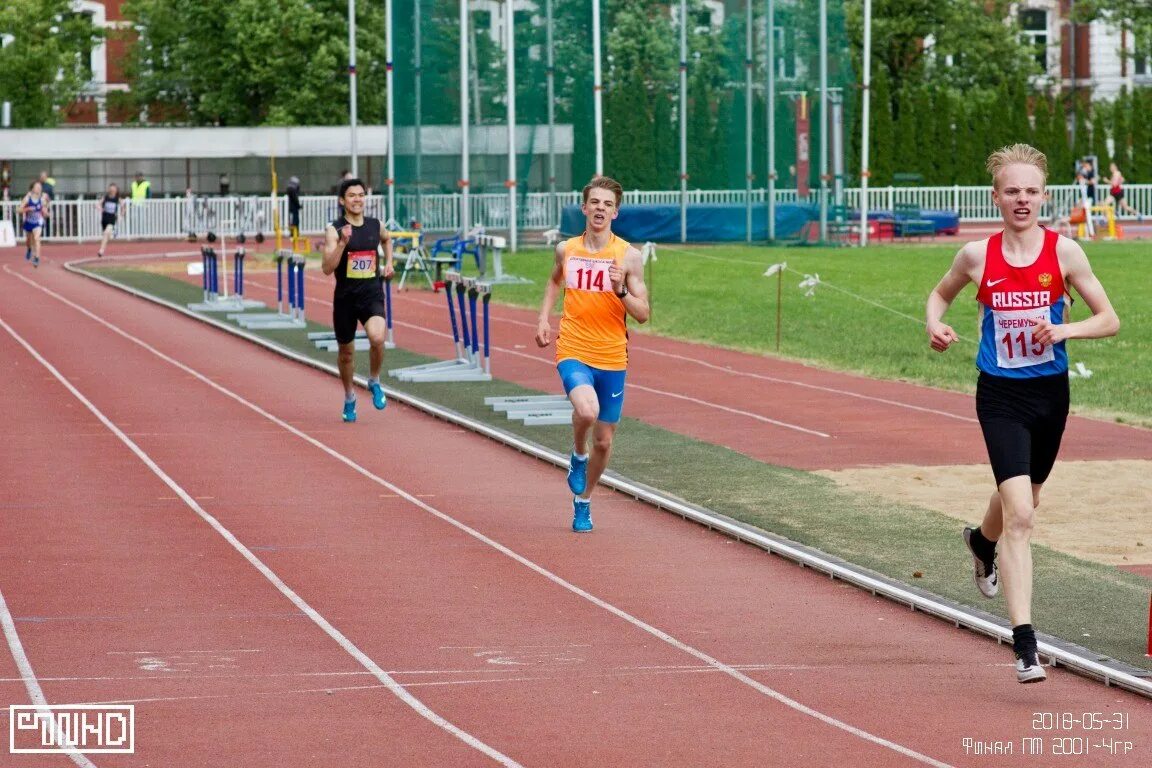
{"x":580,"y":456}
{"x":349,"y":398}
{"x":374,"y":380}
{"x":584,"y":500}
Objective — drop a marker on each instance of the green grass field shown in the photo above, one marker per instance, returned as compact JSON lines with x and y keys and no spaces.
{"x":1096,"y":606}
{"x":718,"y":295}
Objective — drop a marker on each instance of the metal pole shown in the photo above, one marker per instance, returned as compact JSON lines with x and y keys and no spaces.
{"x":748,"y":60}
{"x":770,"y":109}
{"x":866,"y":105}
{"x":390,"y":181}
{"x":510,"y":42}
{"x":823,"y":120}
{"x":597,"y":88}
{"x":465,"y":203}
{"x":352,"y":83}
{"x":551,"y":78}
{"x":418,"y":123}
{"x":683,"y":121}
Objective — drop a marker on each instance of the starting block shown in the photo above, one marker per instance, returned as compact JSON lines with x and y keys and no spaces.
{"x":534,"y":410}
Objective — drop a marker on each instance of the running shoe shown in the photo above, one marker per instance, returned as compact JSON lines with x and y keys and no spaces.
{"x":581,"y":516}
{"x":378,"y":398}
{"x":349,"y":411}
{"x":35,"y":261}
{"x":577,"y":474}
{"x":28,"y":255}
{"x":986,"y":574}
{"x":1028,"y":669}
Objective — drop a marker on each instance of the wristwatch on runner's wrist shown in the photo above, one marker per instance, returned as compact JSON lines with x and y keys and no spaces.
{"x":623,"y":291}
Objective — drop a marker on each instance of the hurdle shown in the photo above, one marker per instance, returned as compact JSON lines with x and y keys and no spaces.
{"x":294,"y":318}
{"x":496,"y":245}
{"x":326,"y":340}
{"x":467,"y":364}
{"x":533,"y":410}
{"x":213,"y":300}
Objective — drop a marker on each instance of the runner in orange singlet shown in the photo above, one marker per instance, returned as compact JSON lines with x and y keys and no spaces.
{"x":602,"y":278}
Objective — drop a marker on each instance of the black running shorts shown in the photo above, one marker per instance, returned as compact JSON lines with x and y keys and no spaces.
{"x":353,"y":308}
{"x":107,"y":220}
{"x":1023,"y":421}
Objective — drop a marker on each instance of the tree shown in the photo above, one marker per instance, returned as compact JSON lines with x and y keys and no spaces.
{"x":883,"y":135}
{"x":44,"y":66}
{"x":254,"y":62}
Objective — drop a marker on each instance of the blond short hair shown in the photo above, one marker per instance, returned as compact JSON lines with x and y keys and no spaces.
{"x":1016,"y":153}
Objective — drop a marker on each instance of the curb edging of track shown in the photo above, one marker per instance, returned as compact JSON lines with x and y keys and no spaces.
{"x":1076,"y":658}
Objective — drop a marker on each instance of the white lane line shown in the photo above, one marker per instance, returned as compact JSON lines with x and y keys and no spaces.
{"x":28,"y":676}
{"x":650,"y":390}
{"x":539,"y":569}
{"x":393,"y":686}
{"x":749,"y":374}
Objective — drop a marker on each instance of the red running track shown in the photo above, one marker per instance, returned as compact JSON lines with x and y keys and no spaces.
{"x":651,"y":641}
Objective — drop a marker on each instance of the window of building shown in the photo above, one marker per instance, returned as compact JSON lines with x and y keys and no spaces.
{"x":1034,"y":25}
{"x":1141,"y":55}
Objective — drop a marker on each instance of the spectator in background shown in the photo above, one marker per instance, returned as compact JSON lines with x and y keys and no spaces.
{"x":48,"y":184}
{"x":141,"y":188}
{"x":225,"y":185}
{"x":1087,"y":176}
{"x":1116,"y":191}
{"x":293,"y":193}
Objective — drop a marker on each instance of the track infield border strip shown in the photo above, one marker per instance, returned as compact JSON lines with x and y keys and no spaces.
{"x":1061,"y":653}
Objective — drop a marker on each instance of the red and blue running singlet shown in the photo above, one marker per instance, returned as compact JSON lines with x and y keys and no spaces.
{"x":1012,"y":300}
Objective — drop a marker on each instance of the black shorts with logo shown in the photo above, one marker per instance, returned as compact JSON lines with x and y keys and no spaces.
{"x":352,"y":307}
{"x":1023,"y":422}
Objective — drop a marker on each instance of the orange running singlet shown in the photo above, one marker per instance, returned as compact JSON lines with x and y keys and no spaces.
{"x":593,"y":328}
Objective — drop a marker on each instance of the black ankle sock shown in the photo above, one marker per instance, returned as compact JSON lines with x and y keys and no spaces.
{"x":982,"y":546}
{"x":1023,"y":639}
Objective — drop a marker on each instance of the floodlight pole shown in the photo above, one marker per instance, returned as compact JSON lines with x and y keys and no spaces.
{"x":510,"y":43}
{"x":352,"y":84}
{"x":770,"y":110}
{"x":748,"y":62}
{"x":824,"y":120}
{"x":390,"y":181}
{"x":597,"y":88}
{"x":465,"y":202}
{"x":865,"y":111}
{"x":683,"y":121}
{"x":551,"y":79}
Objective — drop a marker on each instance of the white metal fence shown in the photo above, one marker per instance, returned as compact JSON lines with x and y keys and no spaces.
{"x":168,"y":218}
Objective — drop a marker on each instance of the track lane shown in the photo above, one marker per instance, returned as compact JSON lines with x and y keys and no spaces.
{"x":650,"y":598}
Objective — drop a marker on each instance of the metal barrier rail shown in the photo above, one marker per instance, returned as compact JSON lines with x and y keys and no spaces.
{"x":173,"y":217}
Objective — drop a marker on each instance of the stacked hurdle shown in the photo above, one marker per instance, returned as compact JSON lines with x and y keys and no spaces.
{"x":293,"y":264}
{"x":210,"y":280}
{"x":326,"y":340}
{"x":533,"y":410}
{"x":467,"y":365}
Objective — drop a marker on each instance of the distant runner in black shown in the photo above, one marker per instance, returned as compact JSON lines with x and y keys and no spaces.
{"x":352,"y":247}
{"x":109,"y":215}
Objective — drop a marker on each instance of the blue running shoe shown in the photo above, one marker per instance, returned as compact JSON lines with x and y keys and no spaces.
{"x":577,"y":474}
{"x":349,"y":411}
{"x":35,"y":261}
{"x":28,"y":255}
{"x":581,"y":516}
{"x":378,"y":398}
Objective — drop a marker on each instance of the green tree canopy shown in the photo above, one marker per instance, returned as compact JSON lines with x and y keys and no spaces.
{"x":44,"y":46}
{"x":255,"y":62}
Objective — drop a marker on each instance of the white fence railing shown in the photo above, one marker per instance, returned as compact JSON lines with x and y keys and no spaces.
{"x":168,"y":218}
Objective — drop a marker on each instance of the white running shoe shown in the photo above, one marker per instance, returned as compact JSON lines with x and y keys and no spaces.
{"x":986,"y":576}
{"x":1028,"y":669}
